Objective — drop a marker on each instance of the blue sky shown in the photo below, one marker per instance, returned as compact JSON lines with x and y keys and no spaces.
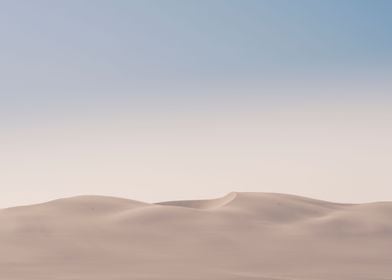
{"x":90,"y":46}
{"x":257,"y":72}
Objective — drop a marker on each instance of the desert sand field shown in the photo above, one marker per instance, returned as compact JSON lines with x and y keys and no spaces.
{"x":237,"y":237}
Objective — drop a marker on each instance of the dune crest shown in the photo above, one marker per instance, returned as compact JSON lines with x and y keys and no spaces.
{"x":203,"y":204}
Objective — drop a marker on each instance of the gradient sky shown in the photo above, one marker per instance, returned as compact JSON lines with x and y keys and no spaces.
{"x":163,"y":100}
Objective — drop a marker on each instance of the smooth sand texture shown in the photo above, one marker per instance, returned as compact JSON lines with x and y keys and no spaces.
{"x":239,"y":236}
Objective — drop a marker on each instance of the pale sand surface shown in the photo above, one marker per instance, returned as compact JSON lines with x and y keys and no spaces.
{"x":240,"y":236}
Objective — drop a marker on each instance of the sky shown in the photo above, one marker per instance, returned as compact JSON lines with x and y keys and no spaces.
{"x":165,"y":100}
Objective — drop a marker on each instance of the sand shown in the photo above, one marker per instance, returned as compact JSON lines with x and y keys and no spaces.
{"x":240,"y":236}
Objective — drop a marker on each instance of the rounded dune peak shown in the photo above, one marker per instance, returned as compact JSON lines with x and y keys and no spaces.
{"x":84,"y":204}
{"x":103,"y":201}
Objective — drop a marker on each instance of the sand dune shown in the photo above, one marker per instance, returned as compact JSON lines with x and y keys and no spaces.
{"x":239,"y":236}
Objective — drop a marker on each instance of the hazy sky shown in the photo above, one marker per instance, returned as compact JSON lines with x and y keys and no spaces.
{"x":161,"y":100}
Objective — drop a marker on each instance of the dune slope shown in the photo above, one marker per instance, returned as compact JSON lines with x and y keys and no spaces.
{"x":239,"y":236}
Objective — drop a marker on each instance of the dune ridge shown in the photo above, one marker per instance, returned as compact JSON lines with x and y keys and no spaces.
{"x":238,"y":236}
{"x":203,"y":203}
